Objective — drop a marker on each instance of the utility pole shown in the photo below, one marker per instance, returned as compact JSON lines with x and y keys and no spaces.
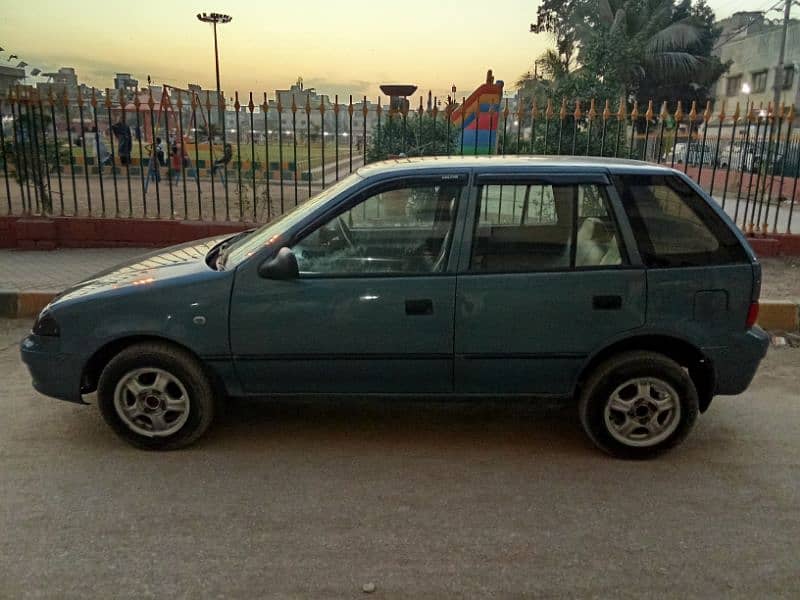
{"x":779,"y":75}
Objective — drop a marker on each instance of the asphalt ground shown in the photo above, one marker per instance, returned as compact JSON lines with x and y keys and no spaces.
{"x":422,"y":499}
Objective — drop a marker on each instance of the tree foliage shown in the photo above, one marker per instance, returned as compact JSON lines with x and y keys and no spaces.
{"x":415,"y":136}
{"x":635,"y":49}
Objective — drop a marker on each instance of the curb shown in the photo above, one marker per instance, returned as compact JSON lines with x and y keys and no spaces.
{"x":773,"y":315}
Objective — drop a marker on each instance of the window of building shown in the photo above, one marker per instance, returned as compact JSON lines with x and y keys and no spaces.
{"x":673,"y":225}
{"x":397,"y":231}
{"x":543,"y":228}
{"x":788,"y":77}
{"x":759,"y":81}
{"x":734,"y":85}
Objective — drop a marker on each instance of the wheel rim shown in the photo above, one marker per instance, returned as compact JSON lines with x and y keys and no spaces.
{"x":642,"y":412}
{"x":151,"y":402}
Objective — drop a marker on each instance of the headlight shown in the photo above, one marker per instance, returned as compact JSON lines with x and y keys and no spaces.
{"x":46,"y":325}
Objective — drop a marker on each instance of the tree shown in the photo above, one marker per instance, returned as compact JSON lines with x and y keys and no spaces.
{"x":637,"y":49}
{"x":415,"y":136}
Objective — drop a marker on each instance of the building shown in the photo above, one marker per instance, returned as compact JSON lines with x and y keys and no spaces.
{"x":752,"y":44}
{"x":10,"y":76}
{"x":124,"y":81}
{"x":65,"y":80}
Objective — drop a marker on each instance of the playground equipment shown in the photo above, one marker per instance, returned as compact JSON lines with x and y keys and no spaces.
{"x":479,"y":116}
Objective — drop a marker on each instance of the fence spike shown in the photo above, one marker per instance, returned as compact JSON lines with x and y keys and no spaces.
{"x":93,"y":100}
{"x":722,"y":114}
{"x":635,"y":111}
{"x":679,"y":112}
{"x":664,"y":113}
{"x":179,"y":101}
{"x":505,"y":110}
{"x":693,"y":111}
{"x":707,"y":112}
{"x":308,"y":105}
{"x":649,"y":114}
{"x":623,"y":109}
{"x":379,"y":109}
{"x":350,"y":106}
{"x":265,"y":104}
{"x":577,"y":114}
{"x":150,"y":102}
{"x":364,"y":109}
{"x":251,"y":106}
{"x":50,"y":99}
{"x":790,"y":114}
{"x":293,"y":108}
{"x":236,"y":104}
{"x":335,"y":105}
{"x":534,"y":109}
{"x":562,"y":114}
{"x":607,"y":110}
{"x":420,"y":110}
{"x":592,"y":111}
{"x":736,"y":113}
{"x":549,"y":110}
{"x":79,"y":97}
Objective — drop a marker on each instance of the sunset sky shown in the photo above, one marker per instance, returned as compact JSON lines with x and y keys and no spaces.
{"x":338,"y":47}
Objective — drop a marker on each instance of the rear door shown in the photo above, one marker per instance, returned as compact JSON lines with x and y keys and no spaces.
{"x":545,"y":279}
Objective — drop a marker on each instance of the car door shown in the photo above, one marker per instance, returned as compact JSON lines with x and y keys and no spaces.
{"x":372,"y":310}
{"x":545,"y":279}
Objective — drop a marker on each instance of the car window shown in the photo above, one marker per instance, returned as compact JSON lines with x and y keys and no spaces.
{"x":543,"y":227}
{"x":401,"y":230}
{"x":673,"y":224}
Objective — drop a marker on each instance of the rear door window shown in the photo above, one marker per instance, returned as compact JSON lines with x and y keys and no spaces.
{"x":543,"y":227}
{"x":673,"y":224}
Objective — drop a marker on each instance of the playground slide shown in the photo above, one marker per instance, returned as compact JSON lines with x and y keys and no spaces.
{"x":478,"y":118}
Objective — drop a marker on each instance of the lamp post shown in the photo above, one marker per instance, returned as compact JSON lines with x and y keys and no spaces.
{"x":216,"y":19}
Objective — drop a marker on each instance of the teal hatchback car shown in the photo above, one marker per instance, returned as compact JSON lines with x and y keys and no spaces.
{"x":617,"y":283}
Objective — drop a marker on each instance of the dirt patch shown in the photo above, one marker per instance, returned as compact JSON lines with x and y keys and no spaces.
{"x":781,"y":278}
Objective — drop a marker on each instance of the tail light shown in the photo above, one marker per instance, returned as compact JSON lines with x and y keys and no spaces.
{"x":752,"y":314}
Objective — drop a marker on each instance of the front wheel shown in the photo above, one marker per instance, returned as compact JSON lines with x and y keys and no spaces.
{"x":156,"y":396}
{"x":638,"y":404}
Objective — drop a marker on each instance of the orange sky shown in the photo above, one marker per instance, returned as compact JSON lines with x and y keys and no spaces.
{"x":344,"y":47}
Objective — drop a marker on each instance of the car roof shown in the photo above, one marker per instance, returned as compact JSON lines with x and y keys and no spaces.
{"x":506,"y":164}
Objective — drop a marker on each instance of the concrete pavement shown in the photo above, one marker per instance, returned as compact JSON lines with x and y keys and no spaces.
{"x":423,"y":499}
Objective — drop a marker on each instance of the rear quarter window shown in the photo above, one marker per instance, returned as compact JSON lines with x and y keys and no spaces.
{"x":673,"y":224}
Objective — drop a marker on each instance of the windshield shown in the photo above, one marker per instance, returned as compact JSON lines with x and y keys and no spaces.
{"x":269,"y":233}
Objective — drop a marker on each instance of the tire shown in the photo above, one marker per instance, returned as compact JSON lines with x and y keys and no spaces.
{"x":638,"y":404}
{"x":156,"y":396}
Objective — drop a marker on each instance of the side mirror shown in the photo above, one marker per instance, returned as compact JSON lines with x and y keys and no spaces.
{"x":282,"y":266}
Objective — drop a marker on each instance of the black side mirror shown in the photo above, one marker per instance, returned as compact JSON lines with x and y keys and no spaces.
{"x":281,"y":266}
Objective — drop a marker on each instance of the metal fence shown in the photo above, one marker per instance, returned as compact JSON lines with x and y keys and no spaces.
{"x":112,"y":155}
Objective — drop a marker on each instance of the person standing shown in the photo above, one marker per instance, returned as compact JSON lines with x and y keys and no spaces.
{"x":156,"y":160}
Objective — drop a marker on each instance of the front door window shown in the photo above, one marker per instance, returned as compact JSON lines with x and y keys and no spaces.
{"x":397,"y":231}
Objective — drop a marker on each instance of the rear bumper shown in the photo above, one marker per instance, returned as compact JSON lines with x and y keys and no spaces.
{"x":54,"y":373}
{"x":736,"y":364}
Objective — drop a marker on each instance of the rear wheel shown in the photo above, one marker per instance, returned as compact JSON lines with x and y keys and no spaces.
{"x":156,"y":396}
{"x":638,"y":404}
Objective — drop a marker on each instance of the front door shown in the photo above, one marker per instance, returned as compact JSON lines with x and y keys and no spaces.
{"x":545,"y":281}
{"x":372,"y":310}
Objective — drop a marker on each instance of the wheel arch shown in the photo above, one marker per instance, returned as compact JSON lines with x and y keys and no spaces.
{"x":94,"y":366}
{"x":686,"y":354}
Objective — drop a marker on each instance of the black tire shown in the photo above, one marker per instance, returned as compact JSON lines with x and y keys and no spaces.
{"x":177,"y":363}
{"x":610,"y":376}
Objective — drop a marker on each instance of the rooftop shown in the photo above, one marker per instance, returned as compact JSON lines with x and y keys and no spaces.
{"x":506,"y":163}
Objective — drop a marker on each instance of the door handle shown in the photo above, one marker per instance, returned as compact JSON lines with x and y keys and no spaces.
{"x":419,"y":307}
{"x":607,"y":302}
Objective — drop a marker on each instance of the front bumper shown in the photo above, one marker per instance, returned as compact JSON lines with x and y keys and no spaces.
{"x":736,"y":364}
{"x":53,"y":372}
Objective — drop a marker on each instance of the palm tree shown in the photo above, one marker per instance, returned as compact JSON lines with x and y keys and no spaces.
{"x":632,"y":41}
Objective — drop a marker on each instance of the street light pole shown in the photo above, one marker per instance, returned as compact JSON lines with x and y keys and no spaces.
{"x":214,"y":19}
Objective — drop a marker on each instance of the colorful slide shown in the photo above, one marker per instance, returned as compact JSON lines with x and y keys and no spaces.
{"x":478,"y":118}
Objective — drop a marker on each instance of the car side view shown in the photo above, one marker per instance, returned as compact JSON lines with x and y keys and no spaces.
{"x":616,"y":283}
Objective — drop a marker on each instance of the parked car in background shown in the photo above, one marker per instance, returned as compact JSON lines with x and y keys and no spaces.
{"x":617,"y":283}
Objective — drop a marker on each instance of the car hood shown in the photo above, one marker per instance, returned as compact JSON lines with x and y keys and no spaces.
{"x":167,"y":263}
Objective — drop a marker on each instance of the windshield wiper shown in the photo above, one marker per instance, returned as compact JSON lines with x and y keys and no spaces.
{"x":224,"y":249}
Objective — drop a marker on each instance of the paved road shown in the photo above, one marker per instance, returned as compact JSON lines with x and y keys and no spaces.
{"x":425,"y":500}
